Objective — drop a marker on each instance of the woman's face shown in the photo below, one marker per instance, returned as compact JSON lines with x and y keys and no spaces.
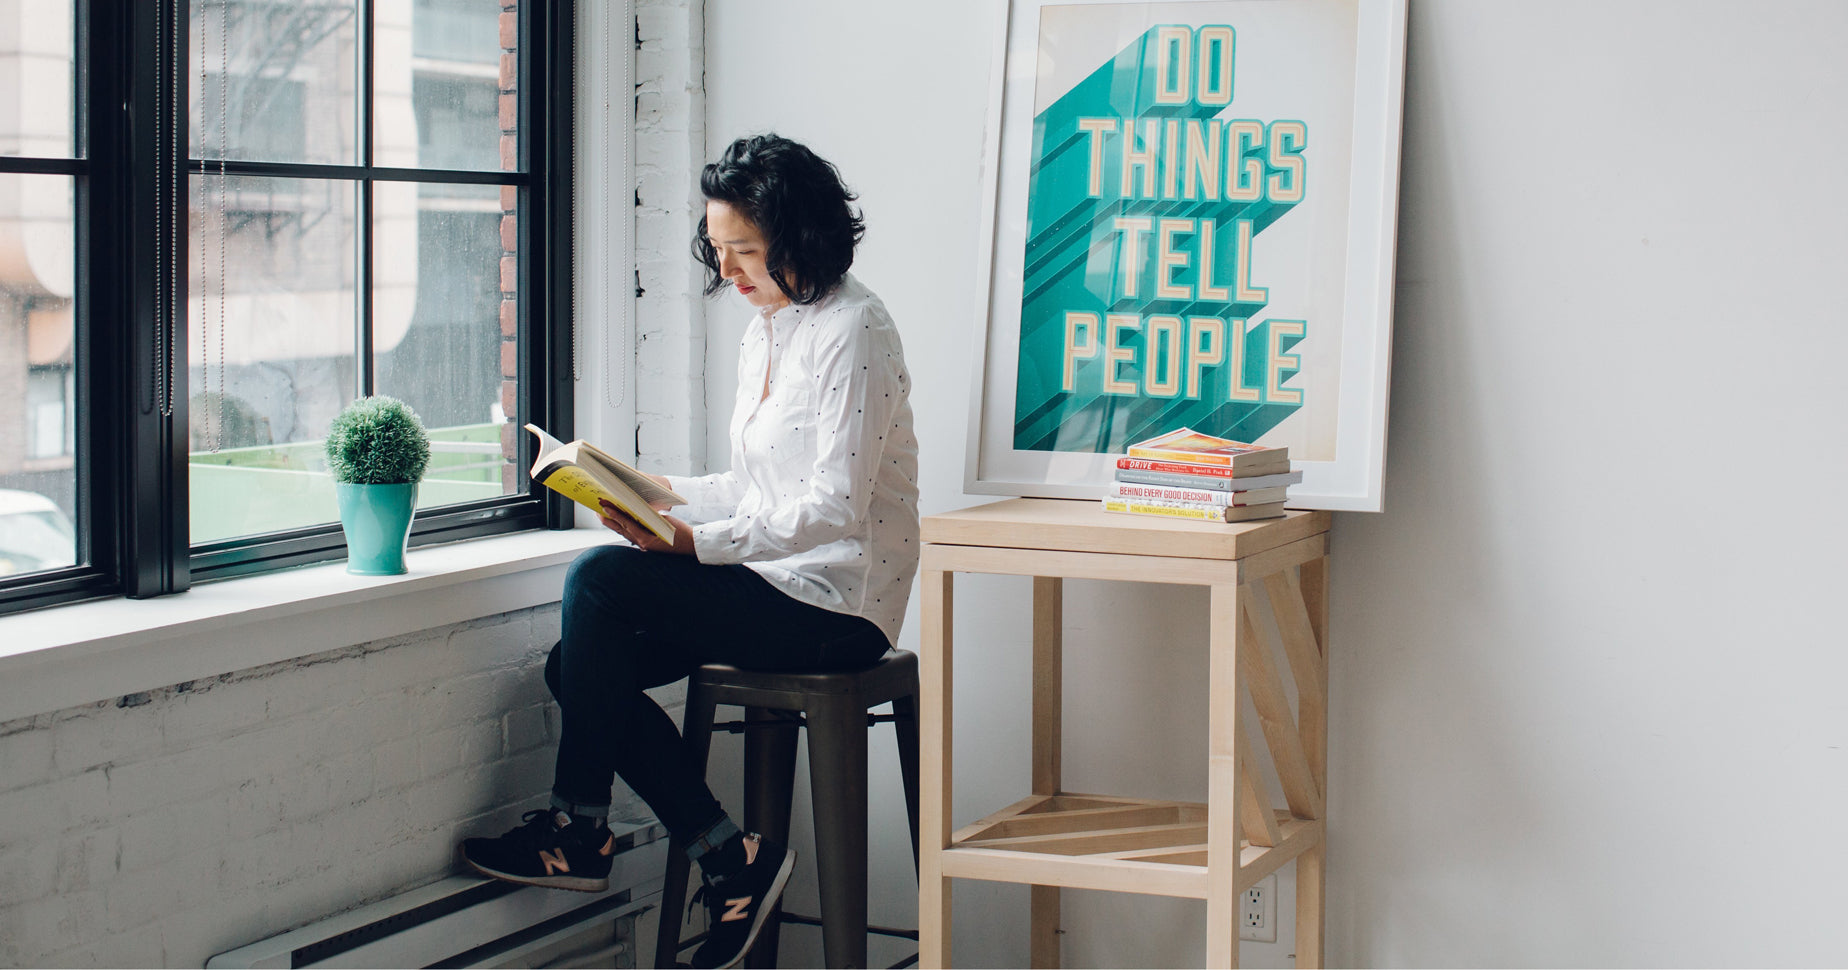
{"x":741,"y":251}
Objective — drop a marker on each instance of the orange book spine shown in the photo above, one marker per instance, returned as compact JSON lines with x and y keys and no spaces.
{"x":1191,"y":457}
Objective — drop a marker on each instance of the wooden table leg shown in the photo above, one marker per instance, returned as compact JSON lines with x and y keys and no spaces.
{"x":935,"y":673}
{"x":1048,"y":732}
{"x":1222,"y":781}
{"x":1309,"y":906}
{"x":1311,"y":890}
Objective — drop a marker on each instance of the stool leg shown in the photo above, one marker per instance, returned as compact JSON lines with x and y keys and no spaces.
{"x":696,"y":742}
{"x":837,"y":783}
{"x":769,"y":785}
{"x":905,"y":720}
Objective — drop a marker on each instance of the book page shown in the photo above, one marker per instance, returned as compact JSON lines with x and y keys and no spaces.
{"x":547,"y":443}
{"x":646,"y":488}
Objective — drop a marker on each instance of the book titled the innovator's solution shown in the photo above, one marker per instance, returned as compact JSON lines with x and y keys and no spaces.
{"x":584,"y":473}
{"x":1209,"y":479}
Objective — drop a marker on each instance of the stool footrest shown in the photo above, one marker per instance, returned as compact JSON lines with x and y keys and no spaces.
{"x":783,"y":719}
{"x":875,"y":930}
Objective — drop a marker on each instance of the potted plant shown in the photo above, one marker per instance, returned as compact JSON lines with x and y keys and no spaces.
{"x":377,"y":450}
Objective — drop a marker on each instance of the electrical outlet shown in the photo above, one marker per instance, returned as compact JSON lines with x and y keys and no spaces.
{"x":1257,"y":911}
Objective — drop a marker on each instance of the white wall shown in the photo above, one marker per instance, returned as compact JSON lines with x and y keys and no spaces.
{"x":1586,"y":690}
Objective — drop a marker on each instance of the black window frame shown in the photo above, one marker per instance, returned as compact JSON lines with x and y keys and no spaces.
{"x":130,"y":175}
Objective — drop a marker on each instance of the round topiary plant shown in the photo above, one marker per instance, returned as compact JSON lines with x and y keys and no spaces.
{"x":377,"y":441}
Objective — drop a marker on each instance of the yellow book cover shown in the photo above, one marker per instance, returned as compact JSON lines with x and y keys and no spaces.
{"x":584,"y":473}
{"x":1194,"y":510}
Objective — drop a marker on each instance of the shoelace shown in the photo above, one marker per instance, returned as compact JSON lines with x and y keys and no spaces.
{"x":707,"y":887}
{"x":706,"y":890}
{"x":535,"y":826}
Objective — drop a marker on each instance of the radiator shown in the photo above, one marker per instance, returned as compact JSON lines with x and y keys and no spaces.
{"x":468,"y":921}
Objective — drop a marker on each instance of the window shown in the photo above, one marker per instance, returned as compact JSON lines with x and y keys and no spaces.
{"x":334,"y":198}
{"x":49,"y":431}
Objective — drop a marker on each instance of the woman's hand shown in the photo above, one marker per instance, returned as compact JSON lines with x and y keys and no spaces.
{"x":660,"y":480}
{"x":621,"y":523}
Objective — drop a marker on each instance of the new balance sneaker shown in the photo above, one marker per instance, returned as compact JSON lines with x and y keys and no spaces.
{"x":737,"y":905}
{"x":548,"y":850}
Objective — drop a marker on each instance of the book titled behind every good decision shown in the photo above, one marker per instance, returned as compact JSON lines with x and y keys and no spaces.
{"x":1137,"y":492}
{"x":1193,"y":447}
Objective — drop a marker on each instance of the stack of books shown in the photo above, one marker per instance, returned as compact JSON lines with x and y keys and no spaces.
{"x":1188,"y":475}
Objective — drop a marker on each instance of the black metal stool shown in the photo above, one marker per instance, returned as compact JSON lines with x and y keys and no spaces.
{"x":833,"y":705}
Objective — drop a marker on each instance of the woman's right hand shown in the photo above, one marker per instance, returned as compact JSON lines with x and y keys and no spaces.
{"x":621,"y":523}
{"x":660,"y":480}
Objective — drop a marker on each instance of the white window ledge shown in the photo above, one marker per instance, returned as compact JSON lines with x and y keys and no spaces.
{"x":64,"y":656}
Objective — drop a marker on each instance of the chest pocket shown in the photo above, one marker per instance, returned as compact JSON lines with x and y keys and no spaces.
{"x":782,"y":433}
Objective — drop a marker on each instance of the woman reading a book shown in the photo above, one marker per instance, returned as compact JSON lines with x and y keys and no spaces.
{"x":801,"y":556}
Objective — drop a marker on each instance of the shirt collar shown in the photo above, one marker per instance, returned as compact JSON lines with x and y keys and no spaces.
{"x":793,"y":311}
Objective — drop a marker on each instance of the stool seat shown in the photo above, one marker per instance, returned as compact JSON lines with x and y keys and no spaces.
{"x":833,"y":706}
{"x":893,"y":675}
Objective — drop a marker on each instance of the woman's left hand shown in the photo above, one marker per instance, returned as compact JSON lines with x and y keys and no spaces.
{"x":620,"y":522}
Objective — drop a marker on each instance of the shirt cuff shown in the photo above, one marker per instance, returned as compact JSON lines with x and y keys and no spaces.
{"x":714,"y":544}
{"x":700,"y":495}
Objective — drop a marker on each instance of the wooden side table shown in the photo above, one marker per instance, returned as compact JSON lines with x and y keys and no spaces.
{"x":1053,"y":838}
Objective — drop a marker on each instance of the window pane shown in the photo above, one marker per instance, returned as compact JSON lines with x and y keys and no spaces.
{"x":275,"y":81}
{"x":38,"y":470}
{"x":443,"y":327}
{"x":271,"y":316}
{"x":36,"y":72}
{"x":445,"y":78}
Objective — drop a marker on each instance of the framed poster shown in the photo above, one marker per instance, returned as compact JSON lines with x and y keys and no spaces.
{"x":1189,"y":221}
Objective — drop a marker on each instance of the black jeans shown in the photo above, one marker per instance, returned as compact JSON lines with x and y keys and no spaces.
{"x":634,"y":620}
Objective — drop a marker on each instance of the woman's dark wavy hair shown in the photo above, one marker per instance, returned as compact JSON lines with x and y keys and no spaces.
{"x":797,"y":200}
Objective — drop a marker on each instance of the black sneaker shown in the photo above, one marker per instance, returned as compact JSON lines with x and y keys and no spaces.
{"x":737,"y":905}
{"x":548,"y":850}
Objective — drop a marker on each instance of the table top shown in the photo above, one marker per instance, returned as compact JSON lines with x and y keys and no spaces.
{"x":1082,"y":525}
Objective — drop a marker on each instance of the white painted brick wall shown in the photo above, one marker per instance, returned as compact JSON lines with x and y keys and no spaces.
{"x":670,"y":147}
{"x":161,"y":828}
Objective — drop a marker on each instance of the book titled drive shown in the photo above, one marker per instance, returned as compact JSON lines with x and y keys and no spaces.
{"x":1198,"y":511}
{"x":1209,"y":477}
{"x":1205,"y":496}
{"x":1192,"y":447}
{"x":584,"y":473}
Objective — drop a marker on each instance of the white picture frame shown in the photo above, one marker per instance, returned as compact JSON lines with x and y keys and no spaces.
{"x":1334,"y":71}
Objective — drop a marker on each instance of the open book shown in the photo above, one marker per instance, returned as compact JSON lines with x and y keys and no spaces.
{"x":584,"y":473}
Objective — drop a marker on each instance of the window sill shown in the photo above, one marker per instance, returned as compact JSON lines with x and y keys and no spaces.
{"x":64,"y":656}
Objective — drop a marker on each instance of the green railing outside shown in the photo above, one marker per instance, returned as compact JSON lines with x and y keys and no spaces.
{"x":250,"y":491}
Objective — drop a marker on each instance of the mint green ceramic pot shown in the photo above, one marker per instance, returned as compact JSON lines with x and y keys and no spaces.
{"x":377,"y":521}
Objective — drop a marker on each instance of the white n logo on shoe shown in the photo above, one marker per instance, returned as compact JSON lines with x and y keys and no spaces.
{"x":734,"y":910}
{"x":554,"y":861}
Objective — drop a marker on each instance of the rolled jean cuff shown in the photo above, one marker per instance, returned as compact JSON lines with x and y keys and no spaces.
{"x":715,"y":835}
{"x":580,"y":808}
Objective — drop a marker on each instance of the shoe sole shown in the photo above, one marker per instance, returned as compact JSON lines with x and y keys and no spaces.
{"x":771,"y":896}
{"x":579,"y":884}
